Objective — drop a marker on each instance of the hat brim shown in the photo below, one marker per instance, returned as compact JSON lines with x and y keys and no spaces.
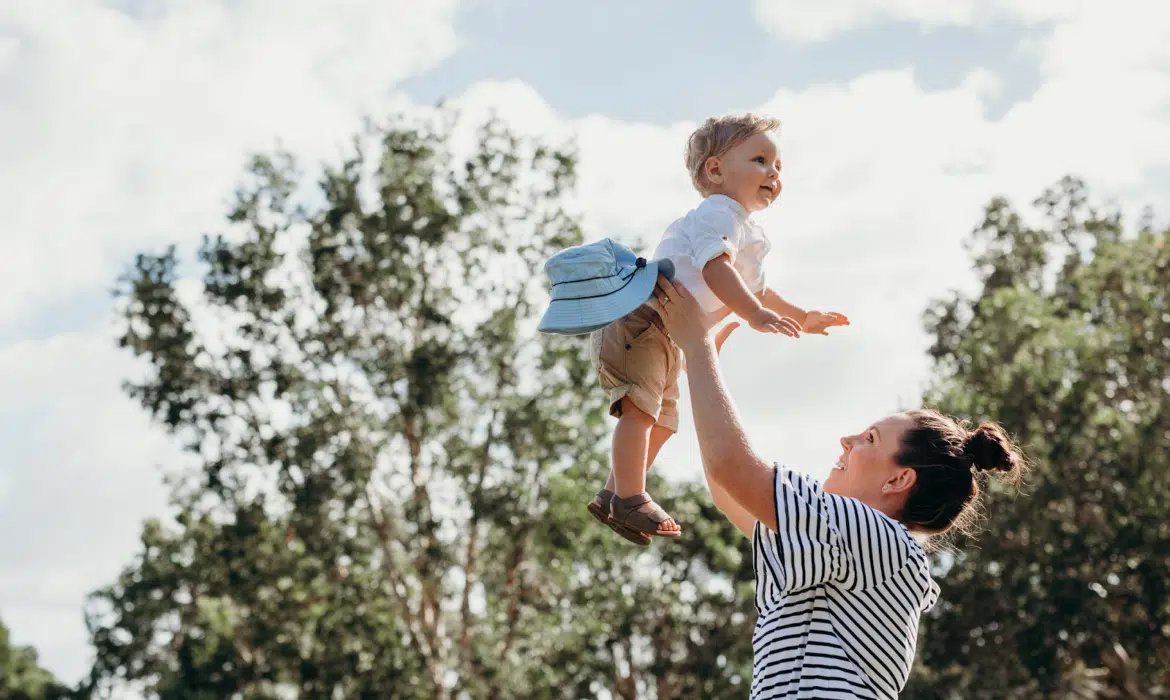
{"x":583,"y":316}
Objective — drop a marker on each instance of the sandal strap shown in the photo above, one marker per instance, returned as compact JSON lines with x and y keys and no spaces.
{"x":626,"y":511}
{"x":658,"y":514}
{"x":632,"y":503}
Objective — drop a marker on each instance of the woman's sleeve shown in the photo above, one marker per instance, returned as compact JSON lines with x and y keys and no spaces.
{"x":824,"y":538}
{"x":804,"y":550}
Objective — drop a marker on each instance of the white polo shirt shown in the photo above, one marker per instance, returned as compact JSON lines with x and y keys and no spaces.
{"x":718,"y":225}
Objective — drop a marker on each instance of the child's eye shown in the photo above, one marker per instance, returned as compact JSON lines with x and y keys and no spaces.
{"x":759,"y":159}
{"x":869,"y":437}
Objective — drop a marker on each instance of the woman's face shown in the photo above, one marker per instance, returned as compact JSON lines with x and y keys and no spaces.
{"x":866,"y":469}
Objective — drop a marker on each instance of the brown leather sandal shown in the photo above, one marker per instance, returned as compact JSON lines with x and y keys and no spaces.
{"x":625,"y":512}
{"x":600,"y":510}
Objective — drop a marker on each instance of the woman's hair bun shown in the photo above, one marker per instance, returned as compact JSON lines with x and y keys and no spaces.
{"x":990,"y":449}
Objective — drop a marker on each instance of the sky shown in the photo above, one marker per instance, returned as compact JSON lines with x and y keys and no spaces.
{"x":125,"y":124}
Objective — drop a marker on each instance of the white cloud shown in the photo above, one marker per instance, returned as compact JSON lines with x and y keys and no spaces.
{"x":809,"y":22}
{"x":1104,"y":105}
{"x":133,"y":130}
{"x":81,"y":470}
{"x":883,"y":181}
{"x":120,"y":133}
{"x":869,"y":199}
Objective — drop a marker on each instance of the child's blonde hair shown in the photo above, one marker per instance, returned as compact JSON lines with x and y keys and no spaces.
{"x":717,"y":136}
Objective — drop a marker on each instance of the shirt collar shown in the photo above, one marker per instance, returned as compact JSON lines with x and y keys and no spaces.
{"x":732,"y":205}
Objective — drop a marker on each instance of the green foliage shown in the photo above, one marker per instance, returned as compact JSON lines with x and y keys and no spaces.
{"x":1068,"y":345}
{"x":392,"y":466}
{"x":21,"y":678}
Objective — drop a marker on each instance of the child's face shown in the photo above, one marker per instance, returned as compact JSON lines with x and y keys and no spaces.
{"x":749,"y":173}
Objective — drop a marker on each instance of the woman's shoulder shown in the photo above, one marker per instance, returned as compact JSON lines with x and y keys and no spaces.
{"x":796,"y":478}
{"x":852,"y":518}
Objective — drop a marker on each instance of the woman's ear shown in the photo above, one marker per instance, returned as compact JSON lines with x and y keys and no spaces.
{"x":901,"y":482}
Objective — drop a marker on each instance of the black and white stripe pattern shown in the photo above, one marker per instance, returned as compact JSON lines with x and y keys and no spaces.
{"x":839,"y":591}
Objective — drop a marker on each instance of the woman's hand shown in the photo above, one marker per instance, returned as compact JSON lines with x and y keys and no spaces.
{"x":686,"y":322}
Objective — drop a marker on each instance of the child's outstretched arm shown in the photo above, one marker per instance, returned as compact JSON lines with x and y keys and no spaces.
{"x":725,"y":282}
{"x":810,"y":321}
{"x":771,"y":300}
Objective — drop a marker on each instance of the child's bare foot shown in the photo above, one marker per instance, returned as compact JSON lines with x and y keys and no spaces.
{"x":641,"y":514}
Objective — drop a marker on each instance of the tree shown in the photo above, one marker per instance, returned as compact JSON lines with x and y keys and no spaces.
{"x":1067,"y":344}
{"x":391,"y":466}
{"x":21,"y":678}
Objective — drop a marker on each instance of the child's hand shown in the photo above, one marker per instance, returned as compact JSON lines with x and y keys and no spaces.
{"x":768,"y":321}
{"x":817,"y":322}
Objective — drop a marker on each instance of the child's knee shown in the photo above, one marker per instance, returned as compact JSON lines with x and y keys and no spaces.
{"x":633,"y":415}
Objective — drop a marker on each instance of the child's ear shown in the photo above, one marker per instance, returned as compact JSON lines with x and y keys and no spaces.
{"x":714,"y":170}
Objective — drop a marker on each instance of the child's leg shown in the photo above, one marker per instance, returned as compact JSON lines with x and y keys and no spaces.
{"x":658,"y":437}
{"x":622,"y":443}
{"x":632,"y":443}
{"x":637,"y":365}
{"x":667,"y":423}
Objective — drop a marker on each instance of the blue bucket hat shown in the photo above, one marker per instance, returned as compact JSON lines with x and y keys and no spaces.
{"x":595,"y":284}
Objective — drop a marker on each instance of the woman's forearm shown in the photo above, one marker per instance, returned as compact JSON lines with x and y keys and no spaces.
{"x":722,"y":440}
{"x":729,"y":461}
{"x":728,"y":458}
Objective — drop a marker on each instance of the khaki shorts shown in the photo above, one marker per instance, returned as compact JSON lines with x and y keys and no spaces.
{"x":636,"y":358}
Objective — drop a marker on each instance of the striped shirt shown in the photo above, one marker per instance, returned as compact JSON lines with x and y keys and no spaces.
{"x":840,"y":588}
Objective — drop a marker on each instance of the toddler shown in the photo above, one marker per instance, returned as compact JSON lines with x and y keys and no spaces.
{"x":718,"y":254}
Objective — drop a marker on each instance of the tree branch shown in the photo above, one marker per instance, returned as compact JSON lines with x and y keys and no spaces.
{"x":473,"y":541}
{"x":398,"y":590}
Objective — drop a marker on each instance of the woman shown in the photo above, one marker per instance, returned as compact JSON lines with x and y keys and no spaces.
{"x":841,"y":579}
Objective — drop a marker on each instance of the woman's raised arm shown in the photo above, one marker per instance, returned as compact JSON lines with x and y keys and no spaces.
{"x":728,"y":458}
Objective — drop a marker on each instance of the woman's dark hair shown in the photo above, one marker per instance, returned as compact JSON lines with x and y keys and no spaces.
{"x":948,"y":458}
